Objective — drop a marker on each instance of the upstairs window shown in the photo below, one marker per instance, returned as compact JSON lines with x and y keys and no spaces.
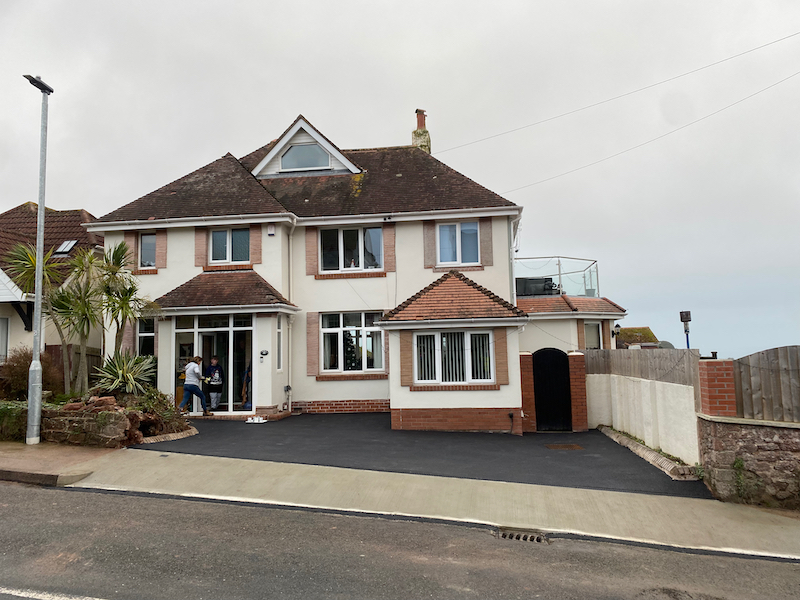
{"x":304,"y":157}
{"x":458,"y":243}
{"x":147,"y":250}
{"x":591,"y":332}
{"x":353,"y":249}
{"x":230,"y":246}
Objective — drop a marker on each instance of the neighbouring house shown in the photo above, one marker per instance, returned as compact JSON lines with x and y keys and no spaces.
{"x":65,"y":234}
{"x":640,"y":338}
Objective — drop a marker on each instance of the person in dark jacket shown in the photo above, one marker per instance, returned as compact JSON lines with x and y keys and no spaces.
{"x":215,"y":377}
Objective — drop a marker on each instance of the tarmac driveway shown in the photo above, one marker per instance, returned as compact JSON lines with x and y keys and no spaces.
{"x":366,"y":441}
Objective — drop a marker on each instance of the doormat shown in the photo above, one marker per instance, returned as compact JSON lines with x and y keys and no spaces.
{"x":563,"y":447}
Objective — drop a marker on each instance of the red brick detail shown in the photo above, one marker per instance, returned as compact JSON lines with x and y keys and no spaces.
{"x":312,"y":261}
{"x":581,"y":334}
{"x":312,"y":344}
{"x":131,"y":238}
{"x":255,"y":243}
{"x":577,"y":390}
{"x":128,"y":339}
{"x":501,"y":355}
{"x":200,"y":246}
{"x":406,"y":358}
{"x":359,"y":275}
{"x":352,"y":377}
{"x":148,"y":271}
{"x":429,"y":244}
{"x":717,"y":390}
{"x":460,"y":268}
{"x":389,"y":256}
{"x":528,"y":397}
{"x":446,"y":387}
{"x":605,"y":327}
{"x":242,"y":267}
{"x":487,"y":250}
{"x":341,"y":406}
{"x":458,"y":419}
{"x":161,"y":249}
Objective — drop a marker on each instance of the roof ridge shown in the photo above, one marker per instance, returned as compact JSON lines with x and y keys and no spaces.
{"x":566,"y":299}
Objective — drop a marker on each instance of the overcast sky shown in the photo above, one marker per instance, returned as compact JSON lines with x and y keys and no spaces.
{"x":706,"y":219}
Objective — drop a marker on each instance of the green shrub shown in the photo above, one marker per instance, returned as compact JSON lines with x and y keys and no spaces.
{"x":12,"y":424}
{"x":160,"y":415}
{"x":14,"y":374}
{"x":125,"y":373}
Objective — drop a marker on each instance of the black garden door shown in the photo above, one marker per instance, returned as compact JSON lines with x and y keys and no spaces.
{"x":551,"y":390}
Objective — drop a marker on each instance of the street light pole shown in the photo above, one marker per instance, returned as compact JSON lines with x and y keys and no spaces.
{"x":35,"y":372}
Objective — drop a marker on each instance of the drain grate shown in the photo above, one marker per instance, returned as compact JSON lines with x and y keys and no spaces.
{"x":522,"y":535}
{"x":563,"y":446}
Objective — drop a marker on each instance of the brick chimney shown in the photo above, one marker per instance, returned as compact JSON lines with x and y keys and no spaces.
{"x":420,"y":136}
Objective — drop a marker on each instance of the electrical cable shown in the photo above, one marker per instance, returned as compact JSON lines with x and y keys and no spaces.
{"x":601,"y":102}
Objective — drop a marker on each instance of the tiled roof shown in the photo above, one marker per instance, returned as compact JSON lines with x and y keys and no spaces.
{"x":636,"y":335}
{"x":453,"y":296}
{"x":566,"y":304}
{"x":400,"y":179}
{"x":223,"y":288}
{"x":18,"y":225}
{"x":223,"y":187}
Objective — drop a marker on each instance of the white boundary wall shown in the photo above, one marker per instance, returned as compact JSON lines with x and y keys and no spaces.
{"x":662,"y":414}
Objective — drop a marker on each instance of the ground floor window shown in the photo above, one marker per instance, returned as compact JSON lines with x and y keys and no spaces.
{"x":230,"y":339}
{"x":146,"y":337}
{"x":351,"y":342}
{"x":3,"y":339}
{"x":592,"y":337}
{"x":453,"y":357}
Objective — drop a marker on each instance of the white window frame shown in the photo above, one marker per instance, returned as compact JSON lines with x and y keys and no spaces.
{"x":345,"y":269}
{"x":279,"y":343}
{"x":140,"y":334}
{"x":467,"y":357}
{"x":340,"y":341}
{"x":458,"y":260}
{"x":155,"y":250}
{"x":229,"y":247}
{"x":6,"y":341}
{"x":599,"y":325}
{"x":325,"y":168}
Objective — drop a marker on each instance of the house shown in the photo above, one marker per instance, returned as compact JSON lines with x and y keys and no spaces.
{"x":343,"y":280}
{"x":65,"y":234}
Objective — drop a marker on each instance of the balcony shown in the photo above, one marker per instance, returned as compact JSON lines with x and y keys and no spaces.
{"x":555,"y":275}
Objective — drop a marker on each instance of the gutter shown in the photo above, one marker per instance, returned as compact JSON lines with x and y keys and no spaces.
{"x":449,"y":323}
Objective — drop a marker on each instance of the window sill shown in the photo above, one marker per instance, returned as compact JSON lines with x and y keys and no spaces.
{"x":229,"y":267}
{"x":357,"y":275}
{"x":145,"y":271}
{"x":443,"y":269}
{"x":353,"y":377}
{"x":470,"y":387}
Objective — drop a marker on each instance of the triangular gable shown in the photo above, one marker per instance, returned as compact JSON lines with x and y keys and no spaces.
{"x":9,"y":292}
{"x":283,"y":143}
{"x":453,"y":296}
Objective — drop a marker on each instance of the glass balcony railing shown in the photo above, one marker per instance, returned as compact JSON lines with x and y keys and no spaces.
{"x":555,"y":275}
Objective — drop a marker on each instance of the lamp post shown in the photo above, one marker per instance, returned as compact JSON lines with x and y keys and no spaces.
{"x":35,"y":372}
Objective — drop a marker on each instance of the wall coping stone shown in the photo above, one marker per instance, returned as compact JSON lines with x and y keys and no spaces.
{"x":753,"y":422}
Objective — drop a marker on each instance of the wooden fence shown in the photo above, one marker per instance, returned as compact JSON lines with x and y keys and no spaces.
{"x":767,"y":385}
{"x":669,"y":366}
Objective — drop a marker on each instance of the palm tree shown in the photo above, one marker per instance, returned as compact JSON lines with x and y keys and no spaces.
{"x":21,"y":261}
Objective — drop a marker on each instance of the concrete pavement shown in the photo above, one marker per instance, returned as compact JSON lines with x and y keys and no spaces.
{"x":654,"y":519}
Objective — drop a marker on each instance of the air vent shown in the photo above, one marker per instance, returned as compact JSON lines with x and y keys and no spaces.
{"x":522,"y":535}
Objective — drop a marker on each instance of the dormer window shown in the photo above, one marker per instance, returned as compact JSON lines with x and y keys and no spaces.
{"x":305,"y":157}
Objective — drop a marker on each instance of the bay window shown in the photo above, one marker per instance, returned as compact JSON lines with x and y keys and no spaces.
{"x":453,"y":357}
{"x":356,"y":248}
{"x":230,"y":245}
{"x":351,"y":342}
{"x":458,"y":243}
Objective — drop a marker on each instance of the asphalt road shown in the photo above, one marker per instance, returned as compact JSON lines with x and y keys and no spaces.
{"x":366,"y":441}
{"x":114,"y":546}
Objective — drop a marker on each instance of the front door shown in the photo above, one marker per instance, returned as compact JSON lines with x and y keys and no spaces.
{"x":551,"y":390}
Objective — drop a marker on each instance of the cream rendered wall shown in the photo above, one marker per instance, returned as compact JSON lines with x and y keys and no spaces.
{"x":263,"y":366}
{"x":508,"y":396}
{"x":662,"y":414}
{"x":376,"y":294}
{"x":17,"y":336}
{"x":554,"y":333}
{"x":274,"y":258}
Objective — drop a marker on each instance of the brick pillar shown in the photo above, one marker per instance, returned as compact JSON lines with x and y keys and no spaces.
{"x":528,"y":398}
{"x":717,"y":389}
{"x":577,"y":389}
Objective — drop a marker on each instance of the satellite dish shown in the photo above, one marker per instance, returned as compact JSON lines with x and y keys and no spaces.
{"x":665,"y":344}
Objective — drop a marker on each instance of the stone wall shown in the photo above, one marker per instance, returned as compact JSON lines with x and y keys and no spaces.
{"x":751,"y":462}
{"x":107,"y":429}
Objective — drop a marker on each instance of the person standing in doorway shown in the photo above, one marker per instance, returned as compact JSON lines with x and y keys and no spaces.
{"x":191,"y":386}
{"x":216,"y":379}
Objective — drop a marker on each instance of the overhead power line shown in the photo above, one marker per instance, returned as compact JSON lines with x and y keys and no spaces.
{"x":663,"y":135}
{"x":607,"y":100}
